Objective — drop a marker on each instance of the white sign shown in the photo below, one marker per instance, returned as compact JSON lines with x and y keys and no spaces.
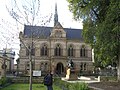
{"x":36,"y":73}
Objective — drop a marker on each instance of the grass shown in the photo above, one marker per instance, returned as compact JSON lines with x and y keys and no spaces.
{"x":26,"y":87}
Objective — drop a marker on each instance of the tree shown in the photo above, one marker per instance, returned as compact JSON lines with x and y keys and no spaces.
{"x":101,"y":21}
{"x":29,"y":14}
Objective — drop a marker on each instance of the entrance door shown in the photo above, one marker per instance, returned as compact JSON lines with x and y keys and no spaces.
{"x":59,"y":69}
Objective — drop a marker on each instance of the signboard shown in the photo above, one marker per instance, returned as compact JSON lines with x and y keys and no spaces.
{"x":36,"y":73}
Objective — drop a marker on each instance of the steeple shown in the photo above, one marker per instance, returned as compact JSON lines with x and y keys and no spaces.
{"x":55,"y":15}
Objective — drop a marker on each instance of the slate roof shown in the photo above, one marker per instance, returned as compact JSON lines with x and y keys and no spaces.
{"x":39,"y":31}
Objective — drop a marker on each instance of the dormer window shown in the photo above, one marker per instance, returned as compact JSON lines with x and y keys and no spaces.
{"x":32,"y":51}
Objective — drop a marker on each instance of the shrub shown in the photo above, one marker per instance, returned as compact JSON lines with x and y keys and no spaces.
{"x":71,"y":86}
{"x":62,"y":84}
{"x":108,"y":78}
{"x":78,"y":86}
{"x":3,"y":81}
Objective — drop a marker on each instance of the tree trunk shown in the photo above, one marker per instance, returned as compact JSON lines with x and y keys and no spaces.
{"x":118,"y":67}
{"x":30,"y":57}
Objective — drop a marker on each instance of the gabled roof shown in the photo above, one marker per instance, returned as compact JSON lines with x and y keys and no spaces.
{"x":37,"y":31}
{"x":73,"y":33}
{"x":44,"y":32}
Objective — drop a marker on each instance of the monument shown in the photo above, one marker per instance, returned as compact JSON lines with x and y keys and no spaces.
{"x":71,"y":72}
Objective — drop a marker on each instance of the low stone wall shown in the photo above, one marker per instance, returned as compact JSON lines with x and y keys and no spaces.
{"x":26,"y":79}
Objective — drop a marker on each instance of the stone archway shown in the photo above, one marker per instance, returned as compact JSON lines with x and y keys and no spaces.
{"x":59,"y":68}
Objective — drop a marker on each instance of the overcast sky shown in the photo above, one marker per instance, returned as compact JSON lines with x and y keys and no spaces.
{"x":8,"y":28}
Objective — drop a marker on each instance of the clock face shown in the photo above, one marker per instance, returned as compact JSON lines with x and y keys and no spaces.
{"x":58,"y":34}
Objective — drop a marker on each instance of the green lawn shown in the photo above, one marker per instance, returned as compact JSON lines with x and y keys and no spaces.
{"x":26,"y":87}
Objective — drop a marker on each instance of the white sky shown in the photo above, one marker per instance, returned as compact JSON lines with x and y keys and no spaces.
{"x":8,"y":29}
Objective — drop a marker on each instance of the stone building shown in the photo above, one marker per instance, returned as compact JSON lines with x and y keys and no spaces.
{"x":7,"y":59}
{"x":53,"y":47}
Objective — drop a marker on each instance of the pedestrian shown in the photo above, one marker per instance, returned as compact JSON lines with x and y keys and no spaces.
{"x":48,"y":81}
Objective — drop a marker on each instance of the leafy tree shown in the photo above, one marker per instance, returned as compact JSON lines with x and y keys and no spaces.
{"x":101,"y":21}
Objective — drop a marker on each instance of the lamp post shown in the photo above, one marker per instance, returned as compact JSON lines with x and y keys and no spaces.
{"x":18,"y":61}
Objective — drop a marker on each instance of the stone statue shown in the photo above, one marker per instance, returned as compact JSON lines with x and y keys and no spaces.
{"x":69,"y":68}
{"x":70,"y":64}
{"x":71,"y":73}
{"x":68,"y":73}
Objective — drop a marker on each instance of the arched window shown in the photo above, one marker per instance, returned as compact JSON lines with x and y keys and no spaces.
{"x":27,"y":65}
{"x":70,"y":51}
{"x":32,"y":51}
{"x":43,"y":66}
{"x":27,"y":51}
{"x":83,"y":67}
{"x":82,"y":52}
{"x":57,"y":50}
{"x":44,"y":50}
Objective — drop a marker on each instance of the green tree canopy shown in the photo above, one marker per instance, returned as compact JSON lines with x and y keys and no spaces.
{"x":101,"y":21}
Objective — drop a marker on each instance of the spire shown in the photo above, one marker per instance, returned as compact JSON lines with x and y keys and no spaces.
{"x":55,"y":15}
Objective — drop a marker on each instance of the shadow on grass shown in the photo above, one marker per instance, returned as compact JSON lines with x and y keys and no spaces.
{"x":26,"y":87}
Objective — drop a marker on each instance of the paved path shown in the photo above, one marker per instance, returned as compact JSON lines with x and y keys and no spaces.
{"x":86,"y":80}
{"x":95,"y":88}
{"x":83,"y":79}
{"x":96,"y":84}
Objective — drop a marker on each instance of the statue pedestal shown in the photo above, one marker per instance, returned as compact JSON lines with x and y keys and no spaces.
{"x":73,"y":75}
